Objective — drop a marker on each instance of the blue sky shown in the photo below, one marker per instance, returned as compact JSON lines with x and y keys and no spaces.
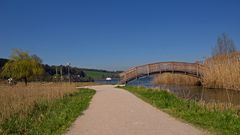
{"x":116,"y":34}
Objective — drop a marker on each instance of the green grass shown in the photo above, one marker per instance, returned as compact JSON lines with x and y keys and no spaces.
{"x":214,"y":119}
{"x":98,"y":74}
{"x":49,"y":118}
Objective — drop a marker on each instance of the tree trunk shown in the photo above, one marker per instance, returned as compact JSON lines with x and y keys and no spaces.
{"x":25,"y":80}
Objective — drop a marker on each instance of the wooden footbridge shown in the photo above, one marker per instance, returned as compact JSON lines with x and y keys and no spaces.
{"x":192,"y":69}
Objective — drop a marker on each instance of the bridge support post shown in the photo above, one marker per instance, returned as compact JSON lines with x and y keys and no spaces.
{"x":148,"y":70}
{"x":197,"y":71}
{"x":136,"y":72}
{"x":159,"y":69}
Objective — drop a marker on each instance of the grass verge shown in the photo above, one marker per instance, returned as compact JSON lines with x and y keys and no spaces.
{"x":216,"y":120}
{"x":49,"y":118}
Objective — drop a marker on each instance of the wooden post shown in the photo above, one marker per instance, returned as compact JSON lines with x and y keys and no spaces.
{"x":136,"y":73}
{"x":159,"y":68}
{"x":148,"y":69}
{"x":197,"y":70}
{"x":125,"y":77}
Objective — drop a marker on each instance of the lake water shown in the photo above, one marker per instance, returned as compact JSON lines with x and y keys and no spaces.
{"x":197,"y":93}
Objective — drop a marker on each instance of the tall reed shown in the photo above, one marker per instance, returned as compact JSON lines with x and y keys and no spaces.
{"x":176,"y":79}
{"x":222,"y":71}
{"x":20,"y":99}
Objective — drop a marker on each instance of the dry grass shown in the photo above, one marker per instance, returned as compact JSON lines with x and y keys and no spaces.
{"x":222,"y":72}
{"x":176,"y":79}
{"x":219,"y":106}
{"x":21,"y":99}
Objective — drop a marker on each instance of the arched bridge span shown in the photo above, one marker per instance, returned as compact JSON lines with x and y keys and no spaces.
{"x":192,"y":69}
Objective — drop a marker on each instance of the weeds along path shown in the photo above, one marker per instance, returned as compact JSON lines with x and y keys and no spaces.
{"x":115,"y":111}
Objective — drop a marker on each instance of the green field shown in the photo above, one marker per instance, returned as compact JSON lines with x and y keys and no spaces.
{"x":98,"y":75}
{"x":216,"y":119}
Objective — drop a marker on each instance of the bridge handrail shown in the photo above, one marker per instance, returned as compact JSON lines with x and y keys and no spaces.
{"x":194,"y":68}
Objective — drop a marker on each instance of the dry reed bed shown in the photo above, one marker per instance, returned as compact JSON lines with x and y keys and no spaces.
{"x":222,"y":72}
{"x":21,"y":99}
{"x":176,"y":79}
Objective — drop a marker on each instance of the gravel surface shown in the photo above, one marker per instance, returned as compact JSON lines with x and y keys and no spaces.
{"x":115,"y":111}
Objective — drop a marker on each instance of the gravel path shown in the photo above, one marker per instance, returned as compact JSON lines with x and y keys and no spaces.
{"x":117,"y":112}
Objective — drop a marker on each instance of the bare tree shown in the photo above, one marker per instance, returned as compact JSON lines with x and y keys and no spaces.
{"x":225,"y":45}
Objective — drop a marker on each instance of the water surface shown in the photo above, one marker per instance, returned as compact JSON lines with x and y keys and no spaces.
{"x":197,"y":93}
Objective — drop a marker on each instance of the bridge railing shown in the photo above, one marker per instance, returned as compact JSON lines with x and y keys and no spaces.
{"x":188,"y":68}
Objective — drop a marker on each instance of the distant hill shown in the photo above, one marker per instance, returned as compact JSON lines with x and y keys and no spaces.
{"x":77,"y":74}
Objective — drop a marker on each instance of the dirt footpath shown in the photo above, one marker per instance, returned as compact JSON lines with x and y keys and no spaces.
{"x":117,"y":112}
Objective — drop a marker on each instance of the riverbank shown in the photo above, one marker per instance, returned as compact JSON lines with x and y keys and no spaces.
{"x":48,"y":116}
{"x":214,"y":118}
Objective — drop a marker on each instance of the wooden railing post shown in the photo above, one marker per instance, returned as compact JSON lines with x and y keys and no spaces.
{"x":136,"y":76}
{"x":159,"y":68}
{"x":148,"y":69}
{"x":197,"y":70}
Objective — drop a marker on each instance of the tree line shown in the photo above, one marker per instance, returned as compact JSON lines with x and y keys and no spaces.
{"x":60,"y":73}
{"x":26,"y":67}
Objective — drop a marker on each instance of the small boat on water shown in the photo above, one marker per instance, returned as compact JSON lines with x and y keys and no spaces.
{"x":108,"y":79}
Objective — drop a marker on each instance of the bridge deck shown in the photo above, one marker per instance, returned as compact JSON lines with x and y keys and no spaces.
{"x":193,"y":69}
